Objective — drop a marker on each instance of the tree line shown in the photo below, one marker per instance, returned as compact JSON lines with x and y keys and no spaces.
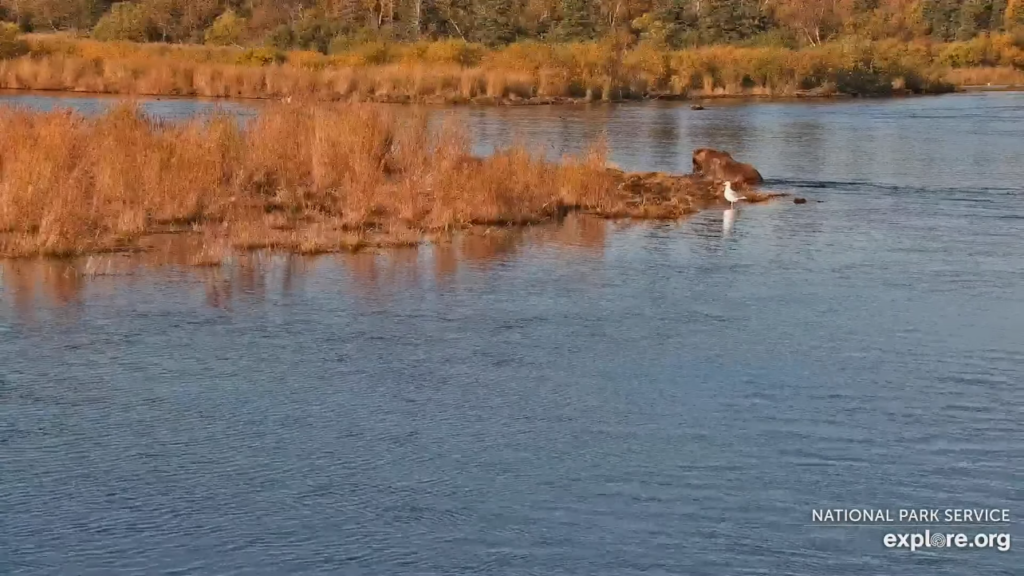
{"x":325,"y":25}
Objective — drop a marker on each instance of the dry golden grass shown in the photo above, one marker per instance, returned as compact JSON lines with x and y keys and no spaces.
{"x":456,"y":71}
{"x":983,"y":76}
{"x":304,"y":179}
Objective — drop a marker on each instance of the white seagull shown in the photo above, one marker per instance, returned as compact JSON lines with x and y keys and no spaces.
{"x":731,"y":195}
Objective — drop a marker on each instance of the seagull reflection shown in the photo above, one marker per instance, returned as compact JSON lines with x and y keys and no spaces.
{"x":728,"y":219}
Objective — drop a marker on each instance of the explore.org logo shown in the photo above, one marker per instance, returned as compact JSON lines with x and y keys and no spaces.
{"x":928,"y":539}
{"x":988,"y":527}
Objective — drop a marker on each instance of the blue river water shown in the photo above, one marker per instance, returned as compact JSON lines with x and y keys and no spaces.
{"x":593,"y":399}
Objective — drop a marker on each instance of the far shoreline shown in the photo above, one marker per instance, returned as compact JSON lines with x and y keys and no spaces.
{"x":454,"y":73}
{"x":490,"y":102}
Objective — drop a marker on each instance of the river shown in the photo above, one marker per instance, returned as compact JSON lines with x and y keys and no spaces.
{"x":594,"y":399}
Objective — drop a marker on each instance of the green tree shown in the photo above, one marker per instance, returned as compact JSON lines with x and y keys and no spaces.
{"x":679,"y":18}
{"x":228,"y":29}
{"x":995,"y":16}
{"x":577,"y":21}
{"x":495,"y":23}
{"x":942,"y":18}
{"x":979,"y":15}
{"x":731,"y":20}
{"x":125,"y":21}
{"x":314,"y":31}
{"x":312,"y":24}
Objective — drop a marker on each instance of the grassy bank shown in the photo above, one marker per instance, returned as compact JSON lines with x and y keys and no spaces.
{"x":996,"y":76}
{"x":457,"y":71}
{"x":302,"y":179}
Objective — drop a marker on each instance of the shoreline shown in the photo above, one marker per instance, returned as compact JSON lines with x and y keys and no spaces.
{"x":985,"y":88}
{"x":490,"y":101}
{"x":649,"y":197}
{"x":443,"y":73}
{"x":216,"y":243}
{"x":529,"y":73}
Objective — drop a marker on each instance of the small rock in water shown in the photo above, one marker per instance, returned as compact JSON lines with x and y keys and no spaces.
{"x":696,"y":107}
{"x":799,"y":200}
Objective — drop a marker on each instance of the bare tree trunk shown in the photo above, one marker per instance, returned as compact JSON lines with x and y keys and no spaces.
{"x":461,"y":35}
{"x":448,"y":17}
{"x":418,"y":24}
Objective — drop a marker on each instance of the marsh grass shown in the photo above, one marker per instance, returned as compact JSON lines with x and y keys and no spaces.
{"x":455,"y":71}
{"x":302,"y":179}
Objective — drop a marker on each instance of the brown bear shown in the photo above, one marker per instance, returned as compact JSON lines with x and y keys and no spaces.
{"x":719,"y":165}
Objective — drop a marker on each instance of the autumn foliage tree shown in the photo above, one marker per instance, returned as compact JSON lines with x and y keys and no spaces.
{"x":815,"y":20}
{"x":318,"y":24}
{"x":124,"y":21}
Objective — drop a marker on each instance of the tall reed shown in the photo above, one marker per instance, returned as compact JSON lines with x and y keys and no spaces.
{"x":306,"y":179}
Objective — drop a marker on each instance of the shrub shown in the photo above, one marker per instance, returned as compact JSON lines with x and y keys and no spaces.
{"x":1017,"y":37}
{"x":280,"y":37}
{"x":11,"y":45}
{"x":347,"y":41}
{"x":863,"y":82}
{"x":454,"y":52}
{"x":374,"y":53}
{"x":261,"y":57}
{"x":308,"y":60}
{"x":340,"y":44}
{"x":775,"y":38}
{"x":526,"y":56}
